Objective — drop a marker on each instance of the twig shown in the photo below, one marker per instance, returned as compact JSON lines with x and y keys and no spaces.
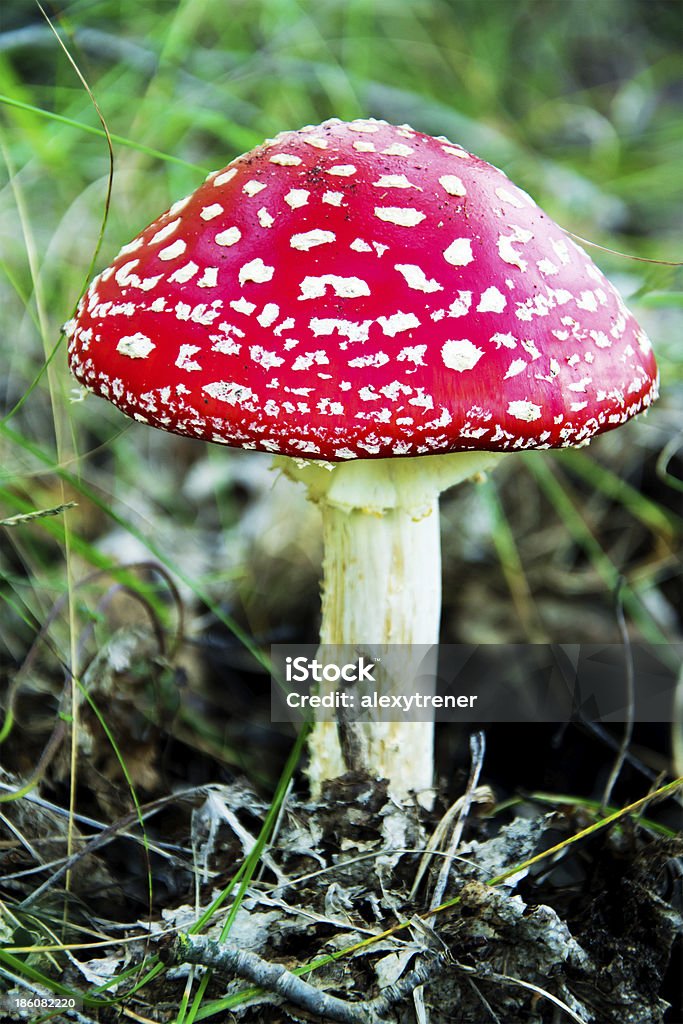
{"x":275,"y":978}
{"x":506,"y":979}
{"x":477,"y":751}
{"x":439,"y":837}
{"x":484,"y":1001}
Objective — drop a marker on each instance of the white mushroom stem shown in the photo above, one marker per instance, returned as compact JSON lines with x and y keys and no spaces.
{"x":381,"y":593}
{"x":381,"y":587}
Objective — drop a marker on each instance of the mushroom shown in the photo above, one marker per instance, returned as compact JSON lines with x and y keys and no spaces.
{"x":387,"y":314}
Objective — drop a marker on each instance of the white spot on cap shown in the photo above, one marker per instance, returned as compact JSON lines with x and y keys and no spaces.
{"x":265,"y":219}
{"x":185,"y":361}
{"x":505,"y":246}
{"x":459,"y":252}
{"x":228,"y":391}
{"x":443,"y":420}
{"x":265,"y":358}
{"x":344,"y":287}
{"x":297,"y":197}
{"x":351,"y":329}
{"x":203,"y":314}
{"x":209,"y":212}
{"x":547,"y":267}
{"x":460,"y":306}
{"x":644,"y":343}
{"x":135,"y":346}
{"x":404,"y":216}
{"x":358,"y":245}
{"x":125,"y":250}
{"x":209,"y":278}
{"x":226,"y":346}
{"x":456,"y":151}
{"x":593,"y":271}
{"x":363,"y":127}
{"x":412,"y":354}
{"x":506,"y":340}
{"x":257,"y":271}
{"x":474,"y":432}
{"x":416,"y":278}
{"x":397,"y":149}
{"x":397,"y":322}
{"x":461,"y":354}
{"x":492,"y":301}
{"x":395,"y":390}
{"x":164,"y":232}
{"x":316,"y":142}
{"x":122,"y":308}
{"x":333,"y":198}
{"x":329,"y":408}
{"x":561,"y":295}
{"x":148,"y":283}
{"x":537,"y":305}
{"x":179,"y":205}
{"x":529,"y":345}
{"x":523,"y":410}
{"x":561,"y":250}
{"x":364,"y":147}
{"x":587,"y":301}
{"x":377,"y":359}
{"x":619,"y":326}
{"x":509,"y":197}
{"x":515,"y":367}
{"x":125,"y":277}
{"x":183,"y":274}
{"x":268,"y":314}
{"x":252,"y":188}
{"x":308,"y":359}
{"x":579,"y":386}
{"x":309,"y":239}
{"x":286,"y":159}
{"x":228,"y":237}
{"x":453,"y":185}
{"x":421,"y":399}
{"x":286,"y":325}
{"x":172,"y":251}
{"x":242,"y":306}
{"x":225,"y":177}
{"x":393,"y":181}
{"x":342,"y":170}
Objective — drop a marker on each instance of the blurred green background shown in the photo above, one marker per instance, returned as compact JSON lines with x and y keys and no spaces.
{"x":579,"y":101}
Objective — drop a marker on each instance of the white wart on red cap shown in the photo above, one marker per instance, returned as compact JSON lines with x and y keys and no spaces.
{"x":362,"y":290}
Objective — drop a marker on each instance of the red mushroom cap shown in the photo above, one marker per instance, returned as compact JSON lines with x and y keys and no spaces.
{"x":361,"y":290}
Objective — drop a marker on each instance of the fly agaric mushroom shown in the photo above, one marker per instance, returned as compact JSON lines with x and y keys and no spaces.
{"x":391,"y":314}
